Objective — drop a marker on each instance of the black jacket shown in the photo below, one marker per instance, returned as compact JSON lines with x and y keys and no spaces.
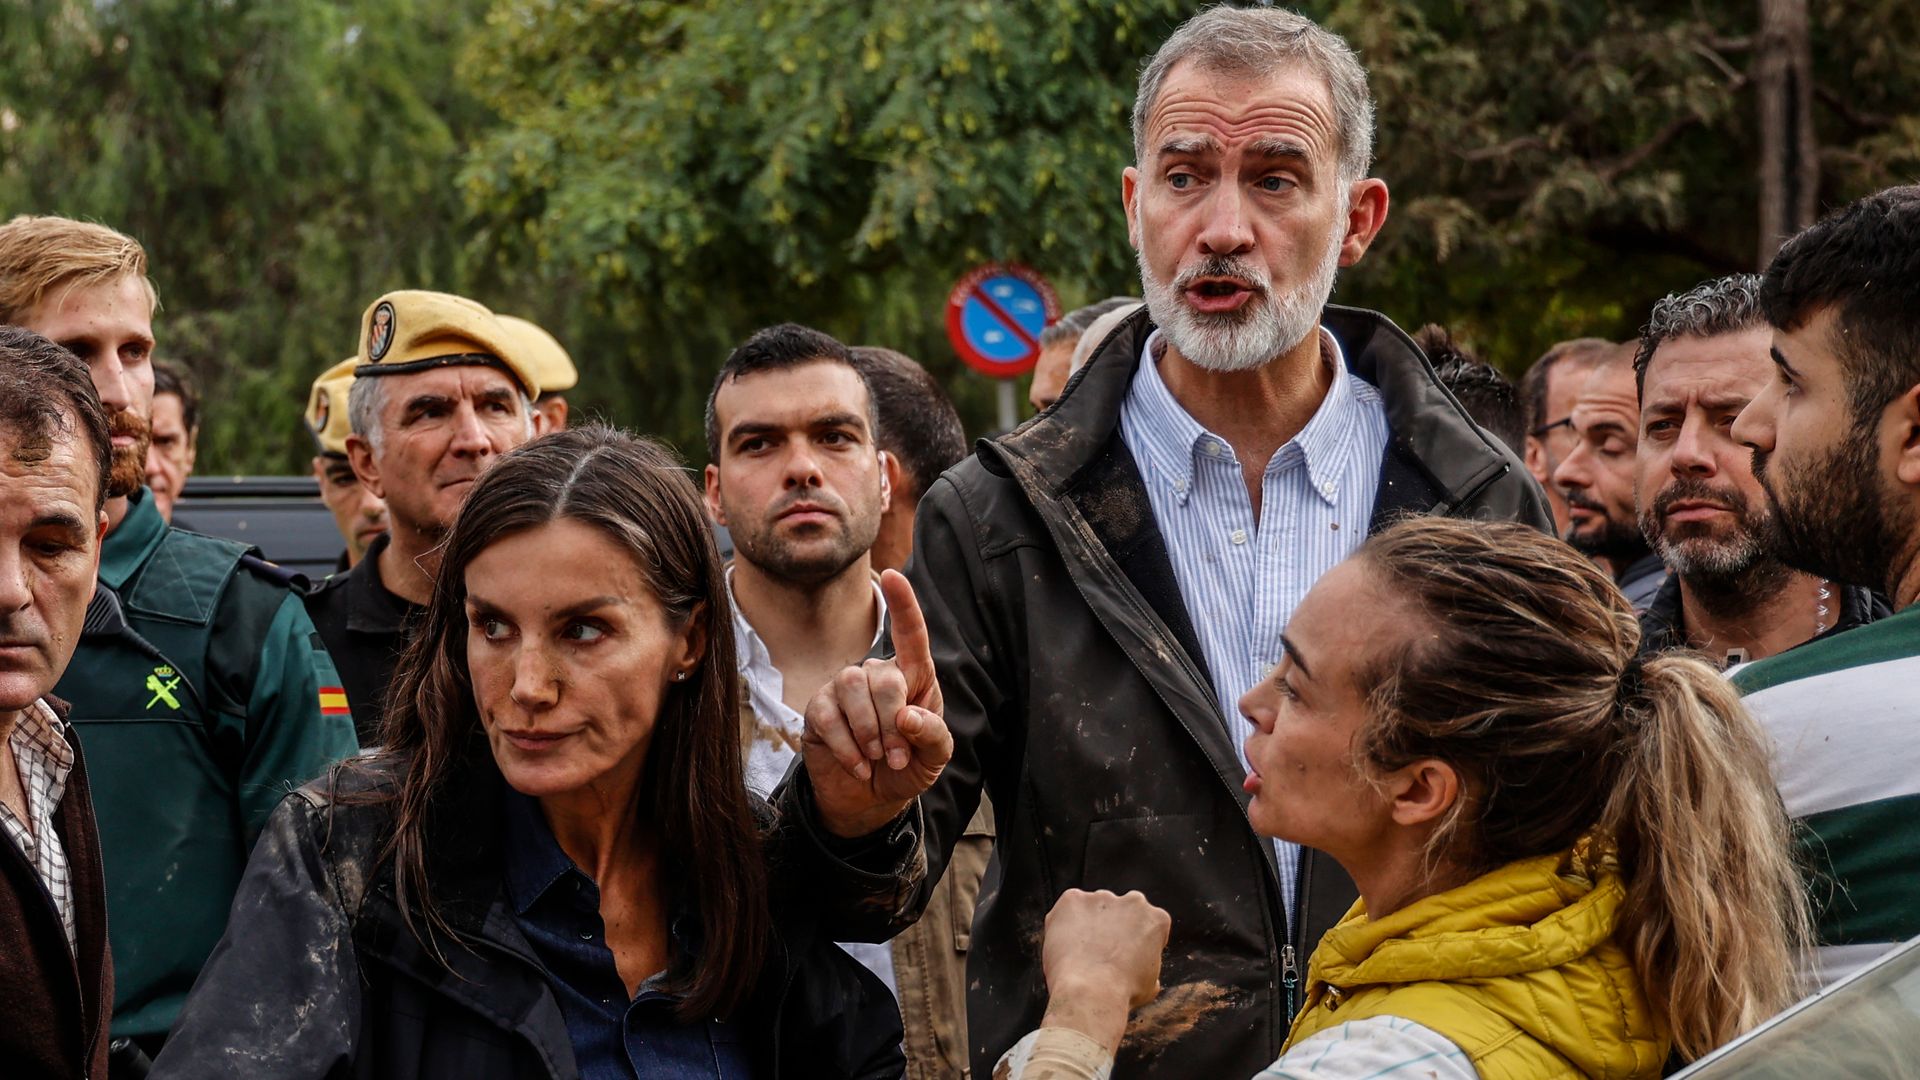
{"x":365,"y":628}
{"x":320,"y":976}
{"x":1079,"y":702}
{"x":1663,"y":626}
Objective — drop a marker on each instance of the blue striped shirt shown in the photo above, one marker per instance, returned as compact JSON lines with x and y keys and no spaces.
{"x":1240,"y":577}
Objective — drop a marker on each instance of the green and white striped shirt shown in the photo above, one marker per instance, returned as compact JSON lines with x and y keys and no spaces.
{"x":1844,"y":715}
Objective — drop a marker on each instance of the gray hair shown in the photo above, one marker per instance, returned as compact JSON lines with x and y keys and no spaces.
{"x":1725,"y":305}
{"x":1259,"y":41}
{"x":367,"y":399}
{"x":1075,"y":322}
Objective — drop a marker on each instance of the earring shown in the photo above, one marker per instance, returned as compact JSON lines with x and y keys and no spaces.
{"x":679,"y":676}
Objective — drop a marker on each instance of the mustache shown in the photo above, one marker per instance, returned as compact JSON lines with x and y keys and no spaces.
{"x":1579,"y":497}
{"x":816,"y":498}
{"x":1693,"y":489}
{"x":128,"y":422}
{"x":1224,"y":266}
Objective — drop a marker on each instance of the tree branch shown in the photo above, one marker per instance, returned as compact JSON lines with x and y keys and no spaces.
{"x":1860,"y":121}
{"x":1638,"y":156}
{"x":1505,"y":149}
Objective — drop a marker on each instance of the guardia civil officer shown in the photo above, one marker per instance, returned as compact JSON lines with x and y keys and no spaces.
{"x":441,"y":388}
{"x":198,"y":686}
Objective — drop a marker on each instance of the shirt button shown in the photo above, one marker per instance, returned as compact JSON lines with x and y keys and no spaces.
{"x":1238,"y":536}
{"x":586,"y":935}
{"x":1327,"y":487}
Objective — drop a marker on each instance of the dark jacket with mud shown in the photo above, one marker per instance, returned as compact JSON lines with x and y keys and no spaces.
{"x":1078,"y":698}
{"x":320,"y":976}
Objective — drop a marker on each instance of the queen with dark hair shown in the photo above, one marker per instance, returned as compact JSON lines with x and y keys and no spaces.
{"x":553,"y":867}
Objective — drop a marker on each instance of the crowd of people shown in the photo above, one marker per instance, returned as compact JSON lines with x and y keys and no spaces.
{"x":1290,"y":697}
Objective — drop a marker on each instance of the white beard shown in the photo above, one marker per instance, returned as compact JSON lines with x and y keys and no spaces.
{"x":1267,"y":326}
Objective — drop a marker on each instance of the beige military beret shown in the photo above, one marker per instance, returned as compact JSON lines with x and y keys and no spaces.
{"x":327,"y":407}
{"x":415,"y":330}
{"x":552,"y":367}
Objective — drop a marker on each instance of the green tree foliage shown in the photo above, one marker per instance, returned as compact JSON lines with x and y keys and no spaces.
{"x":653,"y":180}
{"x":675,"y":175}
{"x":1558,"y":167}
{"x":283,"y":161}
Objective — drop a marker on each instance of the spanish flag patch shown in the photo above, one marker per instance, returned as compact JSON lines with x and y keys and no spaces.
{"x":333,"y":702}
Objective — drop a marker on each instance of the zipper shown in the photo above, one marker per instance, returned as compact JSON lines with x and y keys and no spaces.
{"x":1297,"y":925}
{"x":1290,"y":980}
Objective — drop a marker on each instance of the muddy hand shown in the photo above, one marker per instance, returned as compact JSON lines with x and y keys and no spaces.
{"x":1100,"y":938}
{"x":876,"y":735}
{"x":1101,"y":957}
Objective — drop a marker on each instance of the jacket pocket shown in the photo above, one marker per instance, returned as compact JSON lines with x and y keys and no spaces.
{"x":1145,"y":853}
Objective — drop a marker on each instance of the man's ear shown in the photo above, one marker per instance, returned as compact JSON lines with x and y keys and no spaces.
{"x":714,"y":509}
{"x":365,"y":466}
{"x":1535,"y":457}
{"x":1129,"y":193}
{"x":890,"y":480}
{"x":99,"y":545}
{"x":1366,"y":215}
{"x":1903,"y":415}
{"x":1423,"y":791}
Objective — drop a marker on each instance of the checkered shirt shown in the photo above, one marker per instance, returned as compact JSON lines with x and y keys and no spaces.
{"x":44,"y":760}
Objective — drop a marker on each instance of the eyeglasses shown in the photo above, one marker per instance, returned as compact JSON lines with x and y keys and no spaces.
{"x":1544,"y":430}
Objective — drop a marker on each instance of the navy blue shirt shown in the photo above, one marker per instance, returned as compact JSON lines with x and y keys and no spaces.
{"x":558,"y":907}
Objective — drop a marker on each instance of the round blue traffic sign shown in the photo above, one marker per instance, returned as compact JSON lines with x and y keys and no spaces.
{"x":995,"y":315}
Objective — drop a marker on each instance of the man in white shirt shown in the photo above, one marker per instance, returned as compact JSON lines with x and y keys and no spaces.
{"x":797,"y":479}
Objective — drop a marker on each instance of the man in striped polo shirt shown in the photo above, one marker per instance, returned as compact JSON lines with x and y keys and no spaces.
{"x":1836,"y":446}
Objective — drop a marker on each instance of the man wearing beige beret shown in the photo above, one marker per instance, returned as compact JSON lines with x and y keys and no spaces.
{"x":441,"y":388}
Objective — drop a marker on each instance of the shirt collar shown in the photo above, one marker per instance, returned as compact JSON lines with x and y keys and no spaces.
{"x":1175,"y":440}
{"x":753,"y":648}
{"x":132,"y":542}
{"x":42,"y":726}
{"x":534,"y":860}
{"x":535,"y":865}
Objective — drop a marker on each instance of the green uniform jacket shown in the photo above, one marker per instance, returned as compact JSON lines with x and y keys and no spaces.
{"x":198,"y":686}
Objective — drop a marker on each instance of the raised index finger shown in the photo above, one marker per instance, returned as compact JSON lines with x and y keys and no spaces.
{"x":912,"y":647}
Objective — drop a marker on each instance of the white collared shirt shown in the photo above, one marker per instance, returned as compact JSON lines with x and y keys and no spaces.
{"x":777,"y":732}
{"x":1242,"y":577}
{"x":777,"y":728}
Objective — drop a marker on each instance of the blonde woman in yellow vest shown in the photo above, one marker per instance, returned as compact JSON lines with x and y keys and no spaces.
{"x":1571,"y":862}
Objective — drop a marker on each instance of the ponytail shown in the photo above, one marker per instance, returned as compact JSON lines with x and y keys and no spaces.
{"x":1527,"y":682}
{"x":1703,"y":843}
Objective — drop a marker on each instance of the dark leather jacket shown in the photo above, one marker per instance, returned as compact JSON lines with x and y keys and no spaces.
{"x":319,"y":974}
{"x":1068,"y":664}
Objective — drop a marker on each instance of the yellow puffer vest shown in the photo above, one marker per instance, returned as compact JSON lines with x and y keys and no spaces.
{"x":1517,"y":967}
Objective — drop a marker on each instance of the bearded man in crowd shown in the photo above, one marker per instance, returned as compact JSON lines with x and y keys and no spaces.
{"x":1100,"y":586}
